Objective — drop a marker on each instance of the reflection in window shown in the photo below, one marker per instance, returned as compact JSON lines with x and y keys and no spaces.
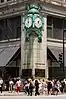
{"x":10,"y":28}
{"x":54,"y":28}
{"x":57,"y":28}
{"x":0,"y":33}
{"x":49,"y":21}
{"x":65,"y":35}
{"x":49,"y":27}
{"x":18,"y":32}
{"x":49,"y":32}
{"x":57,"y":33}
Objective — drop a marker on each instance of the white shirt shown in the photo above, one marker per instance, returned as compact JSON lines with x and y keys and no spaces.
{"x":11,"y":82}
{"x":18,"y":83}
{"x":1,"y":82}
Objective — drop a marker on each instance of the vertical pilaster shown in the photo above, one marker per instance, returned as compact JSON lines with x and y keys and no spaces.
{"x":45,"y":40}
{"x":34,"y":53}
{"x":22,"y":44}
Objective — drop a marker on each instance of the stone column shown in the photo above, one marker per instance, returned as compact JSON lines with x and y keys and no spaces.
{"x":22,"y":44}
{"x":39,"y":53}
{"x":33,"y":53}
{"x":45,"y":40}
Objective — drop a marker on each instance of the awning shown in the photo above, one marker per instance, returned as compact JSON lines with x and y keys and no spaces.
{"x":6,"y":54}
{"x":56,"y":51}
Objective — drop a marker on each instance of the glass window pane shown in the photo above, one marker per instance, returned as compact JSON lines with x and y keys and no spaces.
{"x":57,"y":28}
{"x":57,"y":33}
{"x":10,"y":28}
{"x":57,"y":23}
{"x":18,"y":35}
{"x":16,"y":27}
{"x":65,"y":35}
{"x":49,"y":21}
{"x":49,"y":32}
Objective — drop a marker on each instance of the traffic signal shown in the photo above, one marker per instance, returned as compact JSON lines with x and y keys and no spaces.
{"x":60,"y":58}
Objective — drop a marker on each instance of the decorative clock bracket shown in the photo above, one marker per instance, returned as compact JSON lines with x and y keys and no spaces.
{"x":33,"y":21}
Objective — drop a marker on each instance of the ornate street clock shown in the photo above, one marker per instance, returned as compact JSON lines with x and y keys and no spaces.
{"x":28,"y":22}
{"x":38,"y":22}
{"x":33,"y":21}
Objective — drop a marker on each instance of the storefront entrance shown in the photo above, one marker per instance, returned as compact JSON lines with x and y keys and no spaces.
{"x":6,"y":72}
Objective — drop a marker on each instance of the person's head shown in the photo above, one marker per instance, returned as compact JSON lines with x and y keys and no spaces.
{"x":36,"y":81}
{"x":17,"y":79}
{"x":10,"y":79}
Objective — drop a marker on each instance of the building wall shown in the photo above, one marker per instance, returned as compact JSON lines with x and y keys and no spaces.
{"x":55,"y":11}
{"x":33,"y":53}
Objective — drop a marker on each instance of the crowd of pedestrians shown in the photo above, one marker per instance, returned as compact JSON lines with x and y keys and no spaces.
{"x":12,"y":85}
{"x":34,"y":86}
{"x":37,"y":87}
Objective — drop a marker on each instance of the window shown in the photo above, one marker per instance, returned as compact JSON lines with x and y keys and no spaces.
{"x":3,"y":30}
{"x":10,"y":28}
{"x":16,"y":27}
{"x":54,"y":27}
{"x":18,"y":32}
{"x":57,"y":28}
{"x":49,"y":27}
{"x":49,"y":32}
{"x":49,"y":21}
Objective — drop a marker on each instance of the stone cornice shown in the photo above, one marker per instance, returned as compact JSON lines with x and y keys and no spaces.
{"x":17,"y":7}
{"x":55,"y":10}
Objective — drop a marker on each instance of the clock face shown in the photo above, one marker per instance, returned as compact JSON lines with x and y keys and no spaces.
{"x":28,"y":22}
{"x":38,"y":22}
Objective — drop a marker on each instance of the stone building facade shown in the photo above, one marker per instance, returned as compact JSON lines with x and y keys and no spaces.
{"x":32,"y":58}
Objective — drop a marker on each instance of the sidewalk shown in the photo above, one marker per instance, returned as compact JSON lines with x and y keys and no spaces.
{"x":7,"y":93}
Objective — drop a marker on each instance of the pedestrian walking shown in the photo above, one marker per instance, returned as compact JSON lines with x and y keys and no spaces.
{"x":49,"y":87}
{"x":31,"y":87}
{"x":1,"y":84}
{"x":18,"y":85}
{"x":11,"y":83}
{"x":36,"y":87}
{"x":26,"y":88}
